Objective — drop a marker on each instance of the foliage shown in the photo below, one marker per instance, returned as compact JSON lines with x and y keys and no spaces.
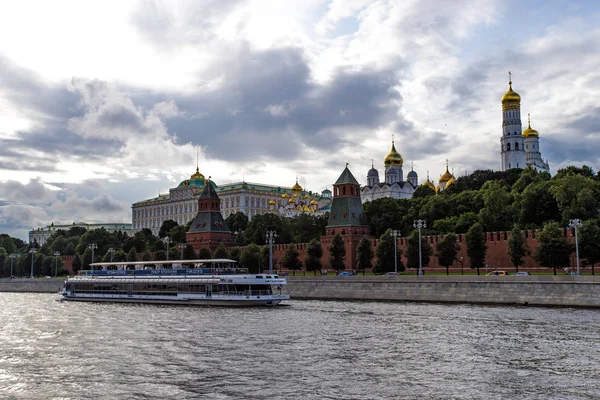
{"x":237,"y":222}
{"x":204,"y":253}
{"x":517,"y":248}
{"x":166,"y":227}
{"x":385,"y":254}
{"x":447,"y":250}
{"x":412,"y":250}
{"x":160,"y":255}
{"x":189,"y":253}
{"x":220,"y":252}
{"x":131,"y":255}
{"x":260,"y":224}
{"x":235,"y":254}
{"x":554,"y":249}
{"x":364,"y":254}
{"x":476,"y":246}
{"x":589,"y":242}
{"x":337,"y":253}
{"x":314,"y":252}
{"x":497,"y":213}
{"x":306,"y":227}
{"x":290,"y":259}
{"x":250,"y":258}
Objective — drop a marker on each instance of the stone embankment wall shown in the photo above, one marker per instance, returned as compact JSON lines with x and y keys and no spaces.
{"x":533,"y":290}
{"x":38,"y":285}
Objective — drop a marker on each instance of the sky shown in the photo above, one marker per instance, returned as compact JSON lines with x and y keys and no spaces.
{"x":106,"y":103}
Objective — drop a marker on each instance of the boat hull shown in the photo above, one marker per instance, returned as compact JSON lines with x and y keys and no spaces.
{"x":230,"y":301}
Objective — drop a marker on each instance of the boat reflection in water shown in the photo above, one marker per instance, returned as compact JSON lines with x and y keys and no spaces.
{"x":216,"y":282}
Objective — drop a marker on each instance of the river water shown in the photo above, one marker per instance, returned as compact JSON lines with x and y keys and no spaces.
{"x":51,"y":349}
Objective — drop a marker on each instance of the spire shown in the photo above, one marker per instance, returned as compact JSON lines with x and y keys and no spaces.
{"x":197,"y":158}
{"x":509,"y":78}
{"x":372,"y":163}
{"x":446,"y":164}
{"x":412,"y":166}
{"x":529,"y":119}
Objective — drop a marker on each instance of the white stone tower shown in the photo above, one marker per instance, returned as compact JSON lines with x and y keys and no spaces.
{"x":532,"y":148}
{"x":512,"y":141}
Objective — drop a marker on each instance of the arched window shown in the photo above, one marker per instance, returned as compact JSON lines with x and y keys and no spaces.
{"x":508,"y":146}
{"x":516,"y":146}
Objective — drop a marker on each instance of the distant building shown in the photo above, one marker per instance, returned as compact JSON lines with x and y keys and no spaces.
{"x":181,"y":203}
{"x":40,"y":235}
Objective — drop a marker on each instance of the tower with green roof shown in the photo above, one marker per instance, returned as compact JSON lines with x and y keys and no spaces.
{"x":347,"y":216}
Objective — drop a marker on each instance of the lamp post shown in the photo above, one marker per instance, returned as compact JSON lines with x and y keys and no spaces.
{"x":56,"y":254}
{"x":420,"y":223}
{"x":32,"y":251}
{"x":271,"y":235}
{"x":181,"y":246}
{"x":395,"y":233}
{"x":576,"y":223}
{"x":462,"y":272}
{"x":92,"y":246}
{"x":111,"y":251}
{"x":167,"y":240}
{"x":12,"y":260}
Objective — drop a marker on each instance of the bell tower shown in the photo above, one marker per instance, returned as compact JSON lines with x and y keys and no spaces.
{"x":512,"y":141}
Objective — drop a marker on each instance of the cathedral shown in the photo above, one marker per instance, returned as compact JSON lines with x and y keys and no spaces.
{"x":518,"y":148}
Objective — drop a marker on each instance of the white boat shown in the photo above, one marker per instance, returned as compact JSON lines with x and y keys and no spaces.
{"x":189,"y":282}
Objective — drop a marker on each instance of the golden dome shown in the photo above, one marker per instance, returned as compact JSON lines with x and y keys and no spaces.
{"x":393,"y":158}
{"x":296,"y":187}
{"x":446,"y":177}
{"x":530,"y":132}
{"x":296,"y":195}
{"x":313,"y":202}
{"x":197,"y":175}
{"x":271,"y":202}
{"x":437,"y":188}
{"x":285,"y":196}
{"x":450,"y":182}
{"x":511,"y":97}
{"x":429,"y":184}
{"x":292,"y":201}
{"x":307,"y":196}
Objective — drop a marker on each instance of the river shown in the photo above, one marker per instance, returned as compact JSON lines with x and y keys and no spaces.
{"x":52,"y":349}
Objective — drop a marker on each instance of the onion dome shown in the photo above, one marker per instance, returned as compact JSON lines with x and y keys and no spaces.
{"x":307,"y":196}
{"x":530,"y":132}
{"x":285,"y":196}
{"x":313,"y":202}
{"x":437,"y":188}
{"x":429,"y":184}
{"x":292,"y":201}
{"x":393,"y":158}
{"x":511,"y":99}
{"x":411,"y":174}
{"x":451,"y":182}
{"x":296,"y":187}
{"x":296,"y":195}
{"x":271,"y":202}
{"x":372,"y":173}
{"x":197,"y":175}
{"x":446,"y":177}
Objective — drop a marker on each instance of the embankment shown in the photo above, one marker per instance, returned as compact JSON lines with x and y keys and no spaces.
{"x":38,"y":285}
{"x":561,"y":291}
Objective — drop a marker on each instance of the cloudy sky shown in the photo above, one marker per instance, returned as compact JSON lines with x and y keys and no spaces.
{"x":106,"y":103}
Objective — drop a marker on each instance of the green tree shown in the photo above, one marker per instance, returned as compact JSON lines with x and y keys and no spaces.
{"x":337,"y":253}
{"x":4,"y":271}
{"x":290,"y":259}
{"x":166,"y":227}
{"x":160,"y":255}
{"x":364,"y":254}
{"x":385,"y":254}
{"x":220,"y":251}
{"x":447,"y":250}
{"x":554,"y":249}
{"x":517,"y":248}
{"x":497,"y":213}
{"x":235,"y":254}
{"x":146,"y":256}
{"x":476,"y":247}
{"x":132,"y":255}
{"x":76,"y":264}
{"x":250,"y":258}
{"x":412,"y":251}
{"x":70,"y":249}
{"x":589,"y":242}
{"x":204,"y":253}
{"x":314,"y":252}
{"x":177,"y":234}
{"x":189,"y":253}
{"x":237,"y":222}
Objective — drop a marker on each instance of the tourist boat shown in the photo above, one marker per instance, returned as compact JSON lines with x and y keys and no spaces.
{"x":216,"y":282}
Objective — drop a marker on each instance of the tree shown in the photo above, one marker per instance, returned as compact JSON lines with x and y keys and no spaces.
{"x":204,"y":253}
{"x":447,"y":250}
{"x":132,"y":255}
{"x":76,"y":264}
{"x":237,"y":222}
{"x":385,"y":254}
{"x":146,"y":256}
{"x":476,"y":246}
{"x":4,"y":271}
{"x":189,"y":253}
{"x":412,"y":251}
{"x":554,"y":249}
{"x":220,"y":252}
{"x":166,"y":227}
{"x":235,"y":254}
{"x":497,"y":213}
{"x":337,"y":253}
{"x":589,"y":242}
{"x":517,"y":248}
{"x":290,"y":259}
{"x":250,"y":258}
{"x":364,"y":254}
{"x":314,"y":252}
{"x":70,"y":249}
{"x":160,"y":255}
{"x":177,"y":234}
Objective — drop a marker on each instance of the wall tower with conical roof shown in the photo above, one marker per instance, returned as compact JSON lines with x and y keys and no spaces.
{"x":512,"y":141}
{"x":208,"y":228}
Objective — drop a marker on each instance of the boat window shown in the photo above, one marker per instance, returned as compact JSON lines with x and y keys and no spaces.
{"x":259,"y":276}
{"x":276,"y":276}
{"x":268,"y":277}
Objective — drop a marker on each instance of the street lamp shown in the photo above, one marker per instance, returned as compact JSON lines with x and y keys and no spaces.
{"x":12,"y":260}
{"x":462,"y":272}
{"x":576,"y":223}
{"x":271,"y":235}
{"x":32,"y":251}
{"x":420,"y":223}
{"x":181,"y":246}
{"x":111,"y":251}
{"x":167,"y":240}
{"x":92,"y":246}
{"x":56,"y":254}
{"x":395,"y":234}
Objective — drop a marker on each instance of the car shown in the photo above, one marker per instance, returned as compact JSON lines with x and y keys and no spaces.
{"x":345,"y":273}
{"x":521,"y":273}
{"x":392,"y":273}
{"x":497,"y":273}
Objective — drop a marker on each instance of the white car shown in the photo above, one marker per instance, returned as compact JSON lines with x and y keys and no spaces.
{"x":521,"y":273}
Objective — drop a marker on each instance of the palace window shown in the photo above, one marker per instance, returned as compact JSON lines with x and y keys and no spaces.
{"x":516,"y":146}
{"x":508,"y":146}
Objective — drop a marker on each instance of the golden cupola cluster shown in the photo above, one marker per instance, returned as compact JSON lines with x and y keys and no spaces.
{"x":393,"y":158}
{"x":529,"y":132}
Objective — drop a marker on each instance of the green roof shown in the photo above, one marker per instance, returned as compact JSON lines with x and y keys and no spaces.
{"x":346,"y":177}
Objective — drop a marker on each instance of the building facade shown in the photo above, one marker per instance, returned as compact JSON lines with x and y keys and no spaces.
{"x":181,"y":203}
{"x":40,"y":235}
{"x":519,"y":148}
